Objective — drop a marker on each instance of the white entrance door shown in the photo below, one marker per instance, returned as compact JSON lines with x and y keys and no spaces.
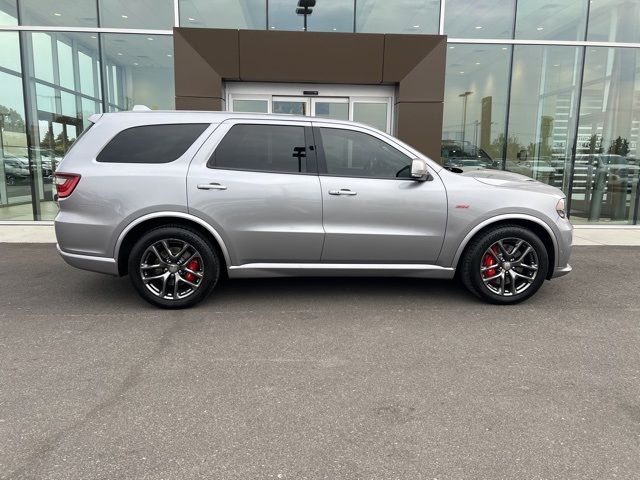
{"x":368,"y":104}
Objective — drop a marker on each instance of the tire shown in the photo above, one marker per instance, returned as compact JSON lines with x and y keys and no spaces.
{"x":11,"y":180}
{"x":195,"y":271}
{"x":523,"y":273}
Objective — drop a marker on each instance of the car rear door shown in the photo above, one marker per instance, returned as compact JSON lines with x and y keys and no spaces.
{"x":256,"y":183}
{"x":374,"y":212}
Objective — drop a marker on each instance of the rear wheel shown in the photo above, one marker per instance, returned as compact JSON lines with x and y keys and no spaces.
{"x":173,"y":267}
{"x":505,"y":265}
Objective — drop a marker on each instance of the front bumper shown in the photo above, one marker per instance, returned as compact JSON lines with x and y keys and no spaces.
{"x":87,"y":262}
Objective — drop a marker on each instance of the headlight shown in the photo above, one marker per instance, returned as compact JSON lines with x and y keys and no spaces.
{"x":560,"y":208}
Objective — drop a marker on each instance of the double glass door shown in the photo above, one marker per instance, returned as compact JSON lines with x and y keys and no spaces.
{"x":371,"y":105}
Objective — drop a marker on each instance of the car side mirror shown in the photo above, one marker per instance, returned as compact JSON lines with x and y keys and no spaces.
{"x":419,"y":169}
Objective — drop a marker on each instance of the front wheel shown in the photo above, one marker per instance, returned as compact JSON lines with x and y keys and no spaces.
{"x":173,"y":267}
{"x":505,"y":265}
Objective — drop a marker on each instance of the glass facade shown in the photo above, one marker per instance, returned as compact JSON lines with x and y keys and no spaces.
{"x":546,"y":89}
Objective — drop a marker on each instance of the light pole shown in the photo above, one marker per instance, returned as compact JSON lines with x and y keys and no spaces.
{"x":464,"y":96}
{"x":305,"y":7}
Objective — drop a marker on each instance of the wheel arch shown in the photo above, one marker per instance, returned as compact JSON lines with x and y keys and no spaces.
{"x":537,"y":226}
{"x":138,"y":227}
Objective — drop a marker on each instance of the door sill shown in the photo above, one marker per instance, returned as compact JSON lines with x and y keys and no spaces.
{"x":258,"y":270}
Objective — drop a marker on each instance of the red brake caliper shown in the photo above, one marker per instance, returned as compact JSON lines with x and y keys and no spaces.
{"x":490,"y":261}
{"x":192,"y":265}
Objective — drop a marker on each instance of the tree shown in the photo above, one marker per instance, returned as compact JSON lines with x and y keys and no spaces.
{"x":620,"y":146}
{"x":13,"y":121}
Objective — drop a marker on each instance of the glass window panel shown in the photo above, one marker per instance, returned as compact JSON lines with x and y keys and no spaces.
{"x":335,"y":110}
{"x":607,"y":163}
{"x":42,"y":56}
{"x":10,"y":51}
{"x":374,"y":114}
{"x":270,"y":148}
{"x":399,"y":16}
{"x":475,"y":102}
{"x":614,"y":21}
{"x":61,"y":13}
{"x":145,"y":63}
{"x":542,"y":114}
{"x":15,"y":192}
{"x":326,"y":16}
{"x":86,"y":66}
{"x":290,"y":107}
{"x":551,"y":20}
{"x":348,"y":153}
{"x":65,"y":65}
{"x":242,"y":14}
{"x":68,"y":102}
{"x":479,"y":19}
{"x":89,"y":107}
{"x":128,"y":14}
{"x":255,"y":106}
{"x":46,"y":98}
{"x":8,"y":12}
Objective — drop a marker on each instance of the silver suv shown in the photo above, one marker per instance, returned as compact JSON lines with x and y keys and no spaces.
{"x":179,"y":199}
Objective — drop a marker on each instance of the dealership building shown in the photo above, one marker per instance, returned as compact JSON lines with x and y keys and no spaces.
{"x":544,"y":88}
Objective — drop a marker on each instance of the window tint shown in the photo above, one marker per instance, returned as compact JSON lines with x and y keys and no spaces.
{"x":355,"y":154}
{"x":151,"y":143}
{"x":271,"y":148}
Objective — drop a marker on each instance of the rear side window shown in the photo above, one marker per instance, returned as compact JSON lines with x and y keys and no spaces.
{"x":267,"y":148}
{"x":151,"y":143}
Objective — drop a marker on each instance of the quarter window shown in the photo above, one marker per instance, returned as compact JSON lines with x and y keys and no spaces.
{"x":267,"y":148}
{"x":151,"y":143}
{"x":355,"y":154}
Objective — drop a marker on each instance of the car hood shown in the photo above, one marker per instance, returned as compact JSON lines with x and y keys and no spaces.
{"x":501,"y":178}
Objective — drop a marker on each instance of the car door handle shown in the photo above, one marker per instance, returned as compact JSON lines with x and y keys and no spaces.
{"x":211,"y":186}
{"x":342,"y":191}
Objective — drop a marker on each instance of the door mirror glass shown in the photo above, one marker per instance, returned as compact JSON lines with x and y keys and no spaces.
{"x":418,"y":168}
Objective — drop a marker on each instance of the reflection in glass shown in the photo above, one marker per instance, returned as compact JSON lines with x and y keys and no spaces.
{"x":139,"y":70}
{"x":292,"y":107}
{"x":152,"y":14}
{"x":61,"y":13}
{"x":326,"y":16}
{"x":8,"y":12}
{"x":475,"y":102}
{"x":399,"y":16}
{"x":241,"y":14}
{"x":607,"y":162}
{"x":545,"y":20}
{"x":62,"y":84}
{"x":253,"y":106}
{"x":614,"y":21}
{"x":371,"y":113}
{"x":479,"y":19}
{"x":15,"y":196}
{"x":542,"y":114}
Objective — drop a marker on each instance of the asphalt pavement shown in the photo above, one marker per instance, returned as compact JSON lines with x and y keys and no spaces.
{"x":319,"y":378}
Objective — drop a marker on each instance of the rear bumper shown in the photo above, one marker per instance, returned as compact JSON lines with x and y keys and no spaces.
{"x":561,"y":271}
{"x":87,"y":262}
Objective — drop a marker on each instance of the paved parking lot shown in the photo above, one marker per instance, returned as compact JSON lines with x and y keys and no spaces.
{"x":319,"y":378}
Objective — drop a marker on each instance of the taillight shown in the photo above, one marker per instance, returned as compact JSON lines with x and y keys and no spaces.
{"x":66,"y":183}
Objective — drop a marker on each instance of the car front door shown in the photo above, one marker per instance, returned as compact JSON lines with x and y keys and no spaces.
{"x":373,"y":210}
{"x":256,"y":183}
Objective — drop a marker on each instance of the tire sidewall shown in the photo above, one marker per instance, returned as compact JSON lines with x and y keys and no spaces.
{"x":205,"y":249}
{"x":478,"y":250}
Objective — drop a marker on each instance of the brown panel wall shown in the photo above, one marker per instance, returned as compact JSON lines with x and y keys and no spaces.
{"x":311,"y":57}
{"x":420,"y":125}
{"x":204,"y":58}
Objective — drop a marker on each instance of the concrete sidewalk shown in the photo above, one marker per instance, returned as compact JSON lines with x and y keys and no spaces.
{"x":622,"y":235}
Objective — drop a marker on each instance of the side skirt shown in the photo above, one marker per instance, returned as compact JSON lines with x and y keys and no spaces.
{"x":258,"y":270}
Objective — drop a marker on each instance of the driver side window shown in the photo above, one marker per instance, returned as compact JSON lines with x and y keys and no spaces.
{"x":354,"y":154}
